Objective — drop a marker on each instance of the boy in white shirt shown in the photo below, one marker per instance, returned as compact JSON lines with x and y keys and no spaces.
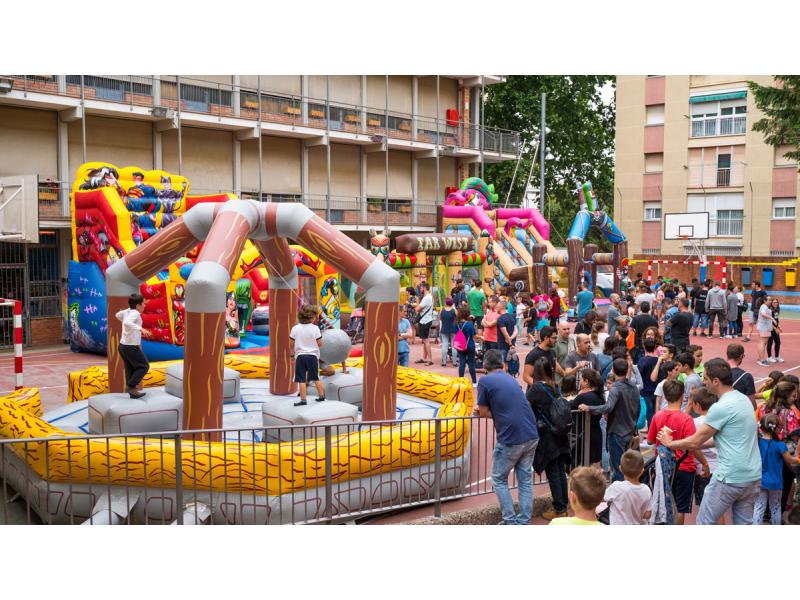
{"x":130,"y":345}
{"x":672,"y":370}
{"x":629,"y":499}
{"x":305,"y":340}
{"x":701,"y":400}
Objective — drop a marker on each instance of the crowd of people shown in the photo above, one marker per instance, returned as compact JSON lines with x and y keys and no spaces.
{"x":711,"y":438}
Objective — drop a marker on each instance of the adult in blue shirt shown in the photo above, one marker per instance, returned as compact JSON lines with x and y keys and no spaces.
{"x":585,"y":299}
{"x":447,"y":330}
{"x":466,"y":358}
{"x":671,"y":312}
{"x":405,"y":333}
{"x":736,"y":482}
{"x":501,"y":398}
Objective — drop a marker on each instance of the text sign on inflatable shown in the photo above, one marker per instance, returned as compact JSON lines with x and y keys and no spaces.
{"x":435,"y":243}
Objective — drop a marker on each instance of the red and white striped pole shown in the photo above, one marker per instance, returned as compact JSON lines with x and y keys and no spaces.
{"x":17,"y":339}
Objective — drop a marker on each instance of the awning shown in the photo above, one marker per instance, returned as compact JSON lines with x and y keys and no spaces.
{"x":718,"y":97}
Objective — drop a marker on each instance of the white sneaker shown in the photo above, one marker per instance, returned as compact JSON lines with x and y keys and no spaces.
{"x":779,"y":359}
{"x":771,"y":360}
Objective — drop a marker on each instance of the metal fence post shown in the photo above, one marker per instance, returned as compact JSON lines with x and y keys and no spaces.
{"x":178,"y":477}
{"x":587,"y":429}
{"x":328,"y":475}
{"x":437,"y":476}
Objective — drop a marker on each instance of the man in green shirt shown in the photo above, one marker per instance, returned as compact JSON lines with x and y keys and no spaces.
{"x":562,"y":349}
{"x":477,"y":302}
{"x":736,"y":481}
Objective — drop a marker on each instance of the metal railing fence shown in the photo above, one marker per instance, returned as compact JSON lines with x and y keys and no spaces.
{"x":229,"y":100}
{"x":269,"y":475}
{"x":727,"y":125}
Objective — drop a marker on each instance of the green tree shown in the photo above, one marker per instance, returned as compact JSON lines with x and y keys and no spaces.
{"x":581,"y":140}
{"x":781,"y":107}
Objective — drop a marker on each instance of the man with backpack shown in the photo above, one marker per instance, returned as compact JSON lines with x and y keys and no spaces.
{"x":554,"y":423}
{"x":622,"y":407}
{"x":501,"y":398}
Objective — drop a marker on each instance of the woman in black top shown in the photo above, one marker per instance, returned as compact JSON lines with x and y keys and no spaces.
{"x":591,"y":394}
{"x":552,"y":452}
{"x":447,"y":331}
{"x":775,"y":338}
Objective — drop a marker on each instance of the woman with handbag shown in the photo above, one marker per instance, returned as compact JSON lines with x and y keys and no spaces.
{"x":464,"y":343}
{"x":447,"y":330}
{"x":552,"y":452}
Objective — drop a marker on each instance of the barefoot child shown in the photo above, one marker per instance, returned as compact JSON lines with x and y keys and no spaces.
{"x":773,"y":454}
{"x":587,"y":485}
{"x":130,"y":345}
{"x":305,"y":340}
{"x":629,"y":499}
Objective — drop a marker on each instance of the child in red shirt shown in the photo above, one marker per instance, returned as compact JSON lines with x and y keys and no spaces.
{"x":682,"y":426}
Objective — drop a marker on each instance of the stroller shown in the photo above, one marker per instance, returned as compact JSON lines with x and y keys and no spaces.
{"x":355,"y":327}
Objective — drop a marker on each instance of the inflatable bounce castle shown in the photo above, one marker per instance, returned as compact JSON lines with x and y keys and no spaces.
{"x":114,"y":210}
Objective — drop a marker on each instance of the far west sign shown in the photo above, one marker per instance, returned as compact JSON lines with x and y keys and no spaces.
{"x":435,"y":243}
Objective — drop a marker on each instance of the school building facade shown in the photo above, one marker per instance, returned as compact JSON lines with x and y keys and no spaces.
{"x":685,"y":144}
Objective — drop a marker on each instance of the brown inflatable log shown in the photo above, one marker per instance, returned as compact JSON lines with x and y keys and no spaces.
{"x":116,"y":370}
{"x":282,"y":317}
{"x":283,"y":312}
{"x":335,"y":248}
{"x":203,"y":367}
{"x":380,"y":361}
{"x":539,"y":269}
{"x":433,"y":243}
{"x":165,"y":247}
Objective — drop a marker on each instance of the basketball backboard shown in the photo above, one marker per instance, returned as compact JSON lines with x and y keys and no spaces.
{"x":19,"y":208}
{"x":693,"y":226}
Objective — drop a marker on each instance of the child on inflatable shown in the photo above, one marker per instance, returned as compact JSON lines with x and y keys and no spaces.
{"x":130,"y":345}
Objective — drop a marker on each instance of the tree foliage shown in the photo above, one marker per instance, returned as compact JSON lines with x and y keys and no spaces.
{"x":581,"y":140}
{"x":781,"y":107}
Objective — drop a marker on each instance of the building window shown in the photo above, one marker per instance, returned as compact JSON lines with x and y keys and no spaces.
{"x":783,"y":208}
{"x":655,"y":115}
{"x":781,"y":160}
{"x":654,"y":162}
{"x":652,"y":211}
{"x":723,"y":170}
{"x":729,"y":222}
{"x":726,"y":212}
{"x":719,"y":117}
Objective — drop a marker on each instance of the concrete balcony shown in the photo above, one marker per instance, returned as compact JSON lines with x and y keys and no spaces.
{"x":710,"y":176}
{"x":239,"y":109}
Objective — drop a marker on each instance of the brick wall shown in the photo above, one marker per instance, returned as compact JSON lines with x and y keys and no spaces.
{"x":46,"y":331}
{"x":734,"y":272}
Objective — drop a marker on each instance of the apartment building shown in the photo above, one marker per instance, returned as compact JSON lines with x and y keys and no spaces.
{"x":685,"y":144}
{"x":360,"y":150}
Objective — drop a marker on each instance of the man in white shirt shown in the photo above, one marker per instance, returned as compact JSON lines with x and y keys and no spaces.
{"x":425,"y":311}
{"x":130,"y":345}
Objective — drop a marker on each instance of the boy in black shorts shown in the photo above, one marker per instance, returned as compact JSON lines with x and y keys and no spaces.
{"x":305,"y":340}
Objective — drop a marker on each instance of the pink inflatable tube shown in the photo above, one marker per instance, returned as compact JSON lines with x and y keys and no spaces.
{"x":476,"y":213}
{"x":539,"y":222}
